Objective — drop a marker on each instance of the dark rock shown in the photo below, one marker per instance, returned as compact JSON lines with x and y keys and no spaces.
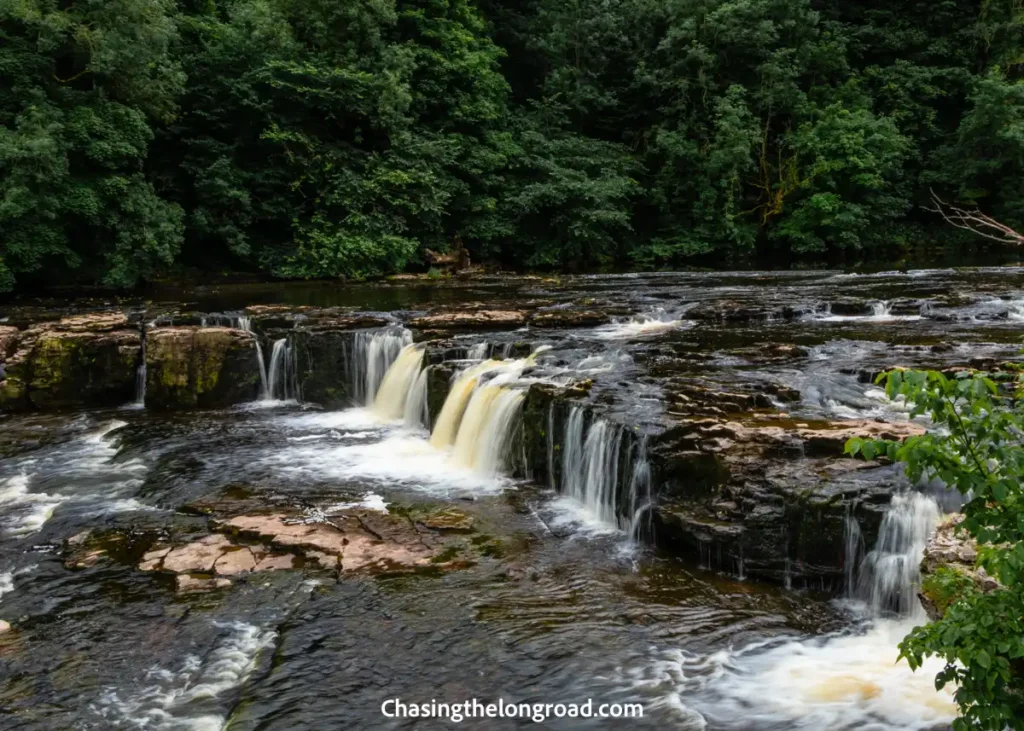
{"x":82,"y":360}
{"x":191,"y":367}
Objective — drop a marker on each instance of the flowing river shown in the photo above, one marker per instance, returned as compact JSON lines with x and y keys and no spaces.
{"x":526,"y":468}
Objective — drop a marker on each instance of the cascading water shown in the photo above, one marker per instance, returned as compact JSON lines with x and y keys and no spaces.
{"x":417,"y":411}
{"x":881,"y":309}
{"x":478,"y":351}
{"x":397,"y":386}
{"x":854,"y":550}
{"x":592,"y":467}
{"x":485,"y":434}
{"x":372,"y":356}
{"x":140,"y":375}
{"x":890,"y":572}
{"x":243,"y":322}
{"x":281,"y":383}
{"x":640,"y":495}
{"x":447,"y":427}
{"x":848,"y":680}
{"x":478,"y":419}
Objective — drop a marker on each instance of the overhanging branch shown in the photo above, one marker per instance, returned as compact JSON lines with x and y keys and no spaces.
{"x":975,"y":221}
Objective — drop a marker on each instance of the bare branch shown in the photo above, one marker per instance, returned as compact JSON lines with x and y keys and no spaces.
{"x":975,"y":221}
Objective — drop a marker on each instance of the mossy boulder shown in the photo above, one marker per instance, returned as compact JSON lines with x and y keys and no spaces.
{"x":77,"y":361}
{"x":189,"y":367}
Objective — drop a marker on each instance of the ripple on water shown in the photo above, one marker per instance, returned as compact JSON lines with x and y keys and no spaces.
{"x":842,"y":682}
{"x":195,"y":696}
{"x":79,"y":474}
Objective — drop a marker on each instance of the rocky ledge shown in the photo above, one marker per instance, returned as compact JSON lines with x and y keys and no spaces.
{"x":243,"y":536}
{"x":771,"y":497}
{"x":76,"y":361}
{"x":949,"y":550}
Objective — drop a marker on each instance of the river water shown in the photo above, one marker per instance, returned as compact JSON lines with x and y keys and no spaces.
{"x":572,"y":608}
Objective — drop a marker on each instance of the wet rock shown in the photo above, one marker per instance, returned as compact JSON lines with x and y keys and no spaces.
{"x":4,"y":626}
{"x":9,"y":337}
{"x":439,"y":380}
{"x":84,"y":360}
{"x":770,"y":498}
{"x":825,"y":438}
{"x":323,"y":361}
{"x":736,"y":311}
{"x":950,"y":551}
{"x":199,"y":556}
{"x":451,"y":519}
{"x":313,"y":319}
{"x":347,"y":540}
{"x":186,"y":583}
{"x":471,"y":320}
{"x":190,"y":367}
{"x":565,"y":318}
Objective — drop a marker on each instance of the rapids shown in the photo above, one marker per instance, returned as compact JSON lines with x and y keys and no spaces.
{"x":558,"y":594}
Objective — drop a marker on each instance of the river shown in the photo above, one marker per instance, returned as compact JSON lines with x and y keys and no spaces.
{"x":544,"y":578}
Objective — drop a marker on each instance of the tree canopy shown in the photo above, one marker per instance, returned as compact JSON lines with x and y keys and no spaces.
{"x":343,"y":138}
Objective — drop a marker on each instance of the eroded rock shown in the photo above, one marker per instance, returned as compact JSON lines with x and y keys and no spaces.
{"x":471,"y":320}
{"x":190,"y":367}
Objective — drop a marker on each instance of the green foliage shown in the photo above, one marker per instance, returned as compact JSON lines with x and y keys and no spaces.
{"x":976,"y":448}
{"x":81,"y":87}
{"x":304,"y":138}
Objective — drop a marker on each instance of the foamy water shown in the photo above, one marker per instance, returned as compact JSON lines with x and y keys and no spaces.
{"x":642,"y":325}
{"x":838,"y":682}
{"x":48,"y":481}
{"x":191,"y":698}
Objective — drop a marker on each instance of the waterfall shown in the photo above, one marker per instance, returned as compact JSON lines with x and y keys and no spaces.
{"x":447,"y":426}
{"x":890,"y":572}
{"x":485,"y":433}
{"x":372,"y":355}
{"x":417,"y":412}
{"x":243,"y":322}
{"x":140,"y":374}
{"x":479,"y":419}
{"x":882,"y":308}
{"x":854,"y":548}
{"x":397,"y":385}
{"x":590,"y":465}
{"x":640,"y":495}
{"x":281,"y":382}
{"x":595,"y":470}
{"x":478,"y":351}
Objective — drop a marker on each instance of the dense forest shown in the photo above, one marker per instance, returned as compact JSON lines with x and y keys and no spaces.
{"x":344,"y":138}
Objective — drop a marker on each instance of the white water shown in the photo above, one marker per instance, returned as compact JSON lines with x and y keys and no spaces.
{"x":281,"y":381}
{"x":592,"y":462}
{"x":641,"y":325}
{"x":193,"y":697}
{"x":881,"y":311}
{"x":372,"y":355}
{"x":244,"y":322}
{"x":417,"y":411}
{"x":890,"y":572}
{"x":485,"y":433}
{"x":848,"y":681}
{"x":140,"y":377}
{"x":78,"y":475}
{"x":396,"y":386}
